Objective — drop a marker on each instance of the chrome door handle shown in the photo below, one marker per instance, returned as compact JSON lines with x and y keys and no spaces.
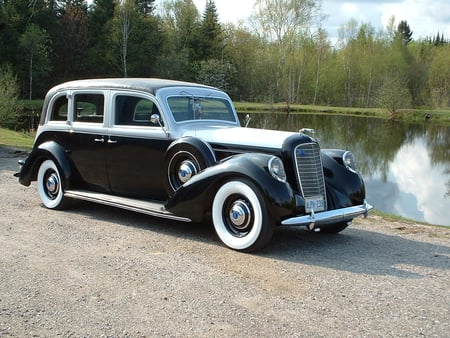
{"x":111,"y":141}
{"x":99,"y":140}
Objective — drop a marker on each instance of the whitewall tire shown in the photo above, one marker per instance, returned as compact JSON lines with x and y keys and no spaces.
{"x":240,"y":217}
{"x":50,"y":186}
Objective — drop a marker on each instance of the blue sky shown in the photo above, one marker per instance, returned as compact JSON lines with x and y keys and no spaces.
{"x":425,"y":17}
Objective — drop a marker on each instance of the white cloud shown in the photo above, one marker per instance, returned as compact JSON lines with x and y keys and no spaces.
{"x":349,"y":9}
{"x":415,"y":175}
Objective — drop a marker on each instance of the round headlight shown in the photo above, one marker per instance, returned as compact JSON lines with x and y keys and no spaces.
{"x":276,"y":169}
{"x":349,"y":161}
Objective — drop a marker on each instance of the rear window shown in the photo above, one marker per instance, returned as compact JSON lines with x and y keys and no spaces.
{"x":89,"y":108}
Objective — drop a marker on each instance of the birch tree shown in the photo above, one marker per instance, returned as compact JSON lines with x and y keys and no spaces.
{"x":35,"y":45}
{"x":282,"y":22}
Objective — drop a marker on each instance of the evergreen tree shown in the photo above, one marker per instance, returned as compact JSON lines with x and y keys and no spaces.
{"x":211,"y":34}
{"x":405,"y":32}
{"x":145,"y":7}
{"x":99,"y":16}
{"x":71,"y":42}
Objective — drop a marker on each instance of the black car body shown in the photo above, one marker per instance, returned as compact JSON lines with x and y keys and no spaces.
{"x":176,"y":150}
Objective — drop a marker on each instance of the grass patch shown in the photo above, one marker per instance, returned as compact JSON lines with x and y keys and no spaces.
{"x":16,"y":139}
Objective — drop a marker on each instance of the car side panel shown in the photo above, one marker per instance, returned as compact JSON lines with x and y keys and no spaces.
{"x":88,"y":153}
{"x":135,"y":166}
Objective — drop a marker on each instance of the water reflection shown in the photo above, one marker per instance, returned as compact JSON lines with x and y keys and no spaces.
{"x":406,"y":167}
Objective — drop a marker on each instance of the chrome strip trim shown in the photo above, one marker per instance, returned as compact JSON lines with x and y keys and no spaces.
{"x":146,"y":207}
{"x":332,"y":216}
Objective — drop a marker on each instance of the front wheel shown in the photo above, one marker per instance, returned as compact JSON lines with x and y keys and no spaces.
{"x":50,"y":187}
{"x":240,"y":217}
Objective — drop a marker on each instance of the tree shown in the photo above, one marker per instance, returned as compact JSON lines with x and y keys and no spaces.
{"x":279,"y":20}
{"x":282,"y":24}
{"x":72,"y":40}
{"x":134,"y":41}
{"x":122,"y":28}
{"x":211,"y":34}
{"x":439,"y":77}
{"x":35,"y":44}
{"x":394,"y":94}
{"x":145,"y":7}
{"x":181,"y":26}
{"x":405,"y":32}
{"x":9,"y":92}
{"x":100,"y":16}
{"x":215,"y":73}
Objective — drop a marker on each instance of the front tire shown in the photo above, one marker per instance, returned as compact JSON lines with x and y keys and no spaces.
{"x":50,"y":187}
{"x":240,"y":217}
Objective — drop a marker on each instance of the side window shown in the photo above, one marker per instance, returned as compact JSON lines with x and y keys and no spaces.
{"x":59,"y":109}
{"x":134,"y":111}
{"x":89,"y":108}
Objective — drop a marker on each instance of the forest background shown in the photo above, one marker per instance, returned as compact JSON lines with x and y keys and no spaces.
{"x":282,"y":54}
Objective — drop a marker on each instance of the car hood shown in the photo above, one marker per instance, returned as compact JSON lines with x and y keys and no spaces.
{"x":240,"y":136}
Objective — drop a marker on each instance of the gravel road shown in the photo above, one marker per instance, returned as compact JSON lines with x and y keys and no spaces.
{"x":95,"y":271}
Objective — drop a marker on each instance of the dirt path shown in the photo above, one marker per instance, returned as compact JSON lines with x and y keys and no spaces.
{"x":96,"y":271}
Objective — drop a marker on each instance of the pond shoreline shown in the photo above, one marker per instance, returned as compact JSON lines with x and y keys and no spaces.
{"x":439,"y":117}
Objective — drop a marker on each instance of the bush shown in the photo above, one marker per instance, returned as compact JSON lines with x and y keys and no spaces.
{"x":9,"y":93}
{"x":394,"y":94}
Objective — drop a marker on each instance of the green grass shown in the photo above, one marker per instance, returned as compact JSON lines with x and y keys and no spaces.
{"x":16,"y":139}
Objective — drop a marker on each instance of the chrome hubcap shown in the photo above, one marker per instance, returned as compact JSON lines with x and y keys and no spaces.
{"x":186,"y":171}
{"x":240,"y":214}
{"x":52,"y":184}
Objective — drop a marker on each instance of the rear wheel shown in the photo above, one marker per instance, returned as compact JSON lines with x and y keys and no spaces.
{"x":240,"y":217}
{"x":50,"y":186}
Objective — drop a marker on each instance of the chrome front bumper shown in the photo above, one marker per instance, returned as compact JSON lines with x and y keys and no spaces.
{"x":328,"y":217}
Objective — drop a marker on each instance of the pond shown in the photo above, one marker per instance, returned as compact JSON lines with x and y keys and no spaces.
{"x":406,"y":167}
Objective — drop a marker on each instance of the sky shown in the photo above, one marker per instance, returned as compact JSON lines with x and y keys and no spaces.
{"x":425,"y":17}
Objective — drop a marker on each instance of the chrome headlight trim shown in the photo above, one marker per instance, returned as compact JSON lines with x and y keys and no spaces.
{"x":276,"y":169}
{"x":349,"y":161}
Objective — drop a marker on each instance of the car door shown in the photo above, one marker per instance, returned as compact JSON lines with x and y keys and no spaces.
{"x":88,"y":143}
{"x":136,"y":147}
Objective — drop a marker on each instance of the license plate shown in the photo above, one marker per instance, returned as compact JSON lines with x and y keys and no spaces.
{"x":315,"y":203}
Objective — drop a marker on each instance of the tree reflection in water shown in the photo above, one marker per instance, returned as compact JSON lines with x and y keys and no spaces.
{"x":406,"y":167}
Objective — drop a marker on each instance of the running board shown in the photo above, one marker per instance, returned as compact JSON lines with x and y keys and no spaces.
{"x":151,"y":208}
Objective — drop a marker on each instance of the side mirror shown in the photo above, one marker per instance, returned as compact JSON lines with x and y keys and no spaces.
{"x":247,"y":120}
{"x":156,"y":119}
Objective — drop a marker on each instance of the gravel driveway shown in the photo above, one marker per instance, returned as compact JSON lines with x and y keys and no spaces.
{"x":96,"y":271}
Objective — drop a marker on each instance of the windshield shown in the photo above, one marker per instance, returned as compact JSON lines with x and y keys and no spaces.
{"x":189,"y":108}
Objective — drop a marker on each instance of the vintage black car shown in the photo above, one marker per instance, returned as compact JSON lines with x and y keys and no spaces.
{"x":176,"y":150}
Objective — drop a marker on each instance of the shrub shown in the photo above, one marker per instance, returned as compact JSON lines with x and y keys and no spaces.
{"x":9,"y":92}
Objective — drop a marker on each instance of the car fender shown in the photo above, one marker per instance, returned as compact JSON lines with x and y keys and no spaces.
{"x":47,"y":150}
{"x":200,"y":145}
{"x":345,"y":188}
{"x":194,"y":198}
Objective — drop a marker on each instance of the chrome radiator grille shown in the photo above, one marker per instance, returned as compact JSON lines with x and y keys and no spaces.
{"x":309,"y":170}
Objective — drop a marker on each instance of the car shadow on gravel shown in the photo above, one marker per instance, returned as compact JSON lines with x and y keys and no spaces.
{"x":360,"y":251}
{"x":353,"y":250}
{"x":193,"y":231}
